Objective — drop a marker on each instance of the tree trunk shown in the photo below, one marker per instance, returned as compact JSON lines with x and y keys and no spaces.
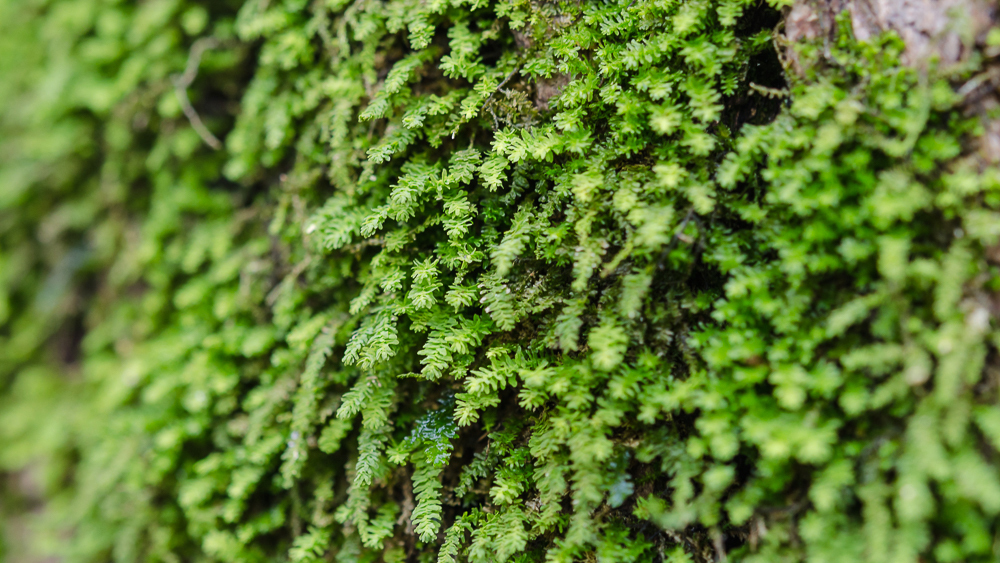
{"x":942,"y":33}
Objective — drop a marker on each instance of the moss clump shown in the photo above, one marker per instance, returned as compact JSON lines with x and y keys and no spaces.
{"x":489,"y":281}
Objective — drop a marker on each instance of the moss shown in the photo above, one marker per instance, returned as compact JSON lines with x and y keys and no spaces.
{"x":489,"y":281}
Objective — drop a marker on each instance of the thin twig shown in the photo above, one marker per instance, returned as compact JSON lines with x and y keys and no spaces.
{"x":509,"y":76}
{"x":676,"y":238}
{"x":988,"y":78}
{"x":718,"y":542}
{"x":183,"y":81}
{"x":502,"y":84}
{"x":275,"y":293}
{"x":486,"y":102}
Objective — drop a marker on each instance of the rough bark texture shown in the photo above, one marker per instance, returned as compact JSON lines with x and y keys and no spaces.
{"x":936,"y":32}
{"x":931,"y":29}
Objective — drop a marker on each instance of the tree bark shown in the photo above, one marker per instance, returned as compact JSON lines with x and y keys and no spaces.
{"x":941,"y":33}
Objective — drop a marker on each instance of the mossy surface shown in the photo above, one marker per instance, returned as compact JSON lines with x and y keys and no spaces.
{"x":489,"y":281}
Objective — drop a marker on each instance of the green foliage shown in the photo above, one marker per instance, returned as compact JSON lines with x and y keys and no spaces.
{"x":489,"y":281}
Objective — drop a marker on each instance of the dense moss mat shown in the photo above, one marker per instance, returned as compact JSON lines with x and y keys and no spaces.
{"x":489,"y":281}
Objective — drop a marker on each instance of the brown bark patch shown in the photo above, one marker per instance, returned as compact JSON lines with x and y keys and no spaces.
{"x":548,"y":88}
{"x":934,"y":32}
{"x":942,"y":30}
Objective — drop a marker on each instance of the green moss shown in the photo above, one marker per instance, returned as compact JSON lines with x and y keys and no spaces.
{"x":489,"y":281}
